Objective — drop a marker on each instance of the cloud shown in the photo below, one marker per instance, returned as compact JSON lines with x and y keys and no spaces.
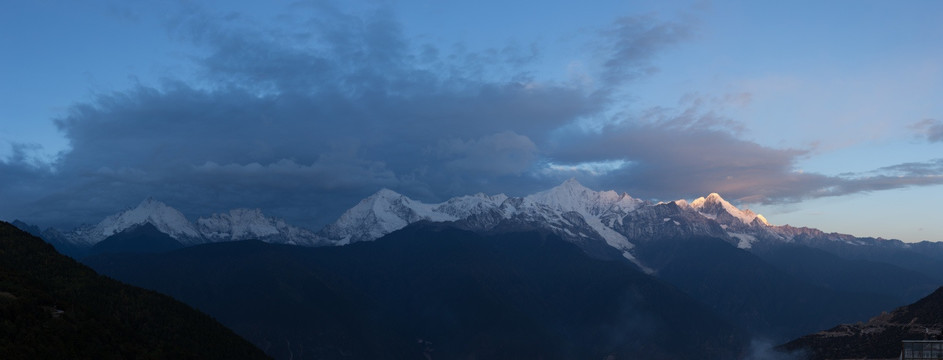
{"x":331,"y":172}
{"x":670,"y":154}
{"x":504,"y":153}
{"x":889,"y":177}
{"x":308,"y":115}
{"x":632,"y":43}
{"x":29,"y":155}
{"x":591,"y":168}
{"x":327,"y":104}
{"x":912,"y":169}
{"x":930,"y":129}
{"x":686,"y":155}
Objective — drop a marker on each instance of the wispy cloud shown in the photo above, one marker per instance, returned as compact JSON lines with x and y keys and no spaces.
{"x":929,"y":129}
{"x":632,"y":43}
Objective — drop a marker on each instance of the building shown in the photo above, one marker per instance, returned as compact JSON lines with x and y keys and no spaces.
{"x":921,"y":349}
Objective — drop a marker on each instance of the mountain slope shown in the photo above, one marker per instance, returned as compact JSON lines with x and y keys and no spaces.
{"x":54,"y":308}
{"x":143,"y":238}
{"x":880,"y":337}
{"x":750,"y":292}
{"x":252,"y":224}
{"x":380,"y":214}
{"x":923,"y":257}
{"x":438,"y":291}
{"x":56,"y":238}
{"x":826,"y":269}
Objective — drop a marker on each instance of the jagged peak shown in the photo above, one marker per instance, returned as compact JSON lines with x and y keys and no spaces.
{"x":565,"y":195}
{"x":496,"y":198}
{"x":761,"y":219}
{"x":573,"y":196}
{"x":151,"y":202}
{"x":254,"y":212}
{"x":385,"y":193}
{"x":571,"y":186}
{"x":714,"y":202}
{"x":236,"y":213}
{"x":150,"y":210}
{"x":571,"y":182}
{"x":382,"y":198}
{"x":712,"y":198}
{"x":376,"y":203}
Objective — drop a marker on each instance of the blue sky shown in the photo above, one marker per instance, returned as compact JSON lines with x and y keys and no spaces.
{"x":820,"y":114}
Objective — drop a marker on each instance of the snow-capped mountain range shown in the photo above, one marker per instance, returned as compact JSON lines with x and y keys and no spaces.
{"x":571,"y":210}
{"x":237,"y":224}
{"x":598,"y":221}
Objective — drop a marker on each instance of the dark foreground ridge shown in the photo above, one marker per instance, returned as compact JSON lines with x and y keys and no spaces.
{"x":878,"y":338}
{"x":52,"y":307}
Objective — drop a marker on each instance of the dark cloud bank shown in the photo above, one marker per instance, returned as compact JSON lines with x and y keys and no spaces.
{"x":305,"y":118}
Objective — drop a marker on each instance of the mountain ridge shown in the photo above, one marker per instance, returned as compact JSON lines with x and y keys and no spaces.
{"x":593,"y":219}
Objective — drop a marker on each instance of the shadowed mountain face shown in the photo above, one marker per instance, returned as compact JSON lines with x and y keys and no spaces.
{"x":752,"y":293}
{"x":887,"y":281}
{"x":437,"y":292}
{"x":144,"y":238}
{"x":923,"y":257}
{"x":52,"y":307}
{"x":880,"y":337}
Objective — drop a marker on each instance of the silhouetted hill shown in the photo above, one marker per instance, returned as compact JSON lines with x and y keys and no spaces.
{"x":52,"y":307}
{"x":880,"y":337}
{"x":435,"y":291}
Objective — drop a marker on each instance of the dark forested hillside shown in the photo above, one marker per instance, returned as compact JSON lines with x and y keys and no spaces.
{"x":879,"y":337}
{"x":52,"y":307}
{"x":436,"y":292}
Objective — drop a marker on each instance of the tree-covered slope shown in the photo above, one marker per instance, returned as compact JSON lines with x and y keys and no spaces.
{"x":52,"y":307}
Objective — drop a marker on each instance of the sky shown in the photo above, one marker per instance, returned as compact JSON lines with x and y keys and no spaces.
{"x":818,"y":114}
